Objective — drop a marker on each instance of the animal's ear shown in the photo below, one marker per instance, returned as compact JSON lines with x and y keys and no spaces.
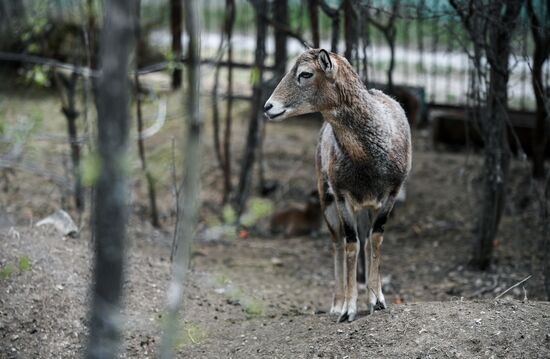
{"x":325,"y":62}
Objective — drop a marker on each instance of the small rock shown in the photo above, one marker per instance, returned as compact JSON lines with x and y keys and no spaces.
{"x":62,"y":221}
{"x":14,"y":337}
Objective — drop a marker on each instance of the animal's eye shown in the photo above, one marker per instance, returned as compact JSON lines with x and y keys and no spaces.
{"x":304,"y":75}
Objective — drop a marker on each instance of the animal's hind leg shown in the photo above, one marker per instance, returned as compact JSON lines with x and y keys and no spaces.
{"x":338,"y":244}
{"x":373,"y":246}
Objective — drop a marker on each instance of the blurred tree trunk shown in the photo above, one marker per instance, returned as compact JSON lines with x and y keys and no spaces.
{"x":334,"y":14}
{"x":151,"y":190}
{"x":389,"y":31}
{"x":91,"y":10}
{"x":496,"y":148}
{"x":541,"y":37}
{"x":490,"y":27}
{"x":188,"y":199}
{"x":11,"y":12}
{"x":253,"y":140}
{"x":224,"y":157}
{"x":546,"y":236}
{"x":230,"y":23}
{"x":68,"y":108}
{"x":313,"y":10}
{"x":351,"y":35}
{"x":111,"y":188}
{"x":280,"y":13}
{"x":176,"y":29}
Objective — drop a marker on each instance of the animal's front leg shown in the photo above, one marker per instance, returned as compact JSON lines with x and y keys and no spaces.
{"x":349,"y":310}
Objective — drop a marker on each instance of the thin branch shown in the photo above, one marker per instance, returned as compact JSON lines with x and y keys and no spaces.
{"x":328,"y":10}
{"x":287,"y":30}
{"x":512,"y":287}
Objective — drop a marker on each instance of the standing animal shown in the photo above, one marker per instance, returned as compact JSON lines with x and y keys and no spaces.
{"x":363,"y":159}
{"x":299,"y":220}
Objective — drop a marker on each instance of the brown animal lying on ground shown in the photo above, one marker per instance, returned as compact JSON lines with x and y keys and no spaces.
{"x":299,"y":220}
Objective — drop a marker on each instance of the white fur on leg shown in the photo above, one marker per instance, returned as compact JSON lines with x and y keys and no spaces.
{"x":376,"y":298}
{"x":339,"y":279}
{"x":349,"y":310}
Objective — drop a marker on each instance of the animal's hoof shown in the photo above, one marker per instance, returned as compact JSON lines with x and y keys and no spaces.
{"x":350,"y":317}
{"x":342,"y":317}
{"x":337,"y":307}
{"x":380,"y":305}
{"x":349,"y":313}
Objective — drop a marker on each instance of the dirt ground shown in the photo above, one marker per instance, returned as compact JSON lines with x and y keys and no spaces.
{"x":268,"y":296}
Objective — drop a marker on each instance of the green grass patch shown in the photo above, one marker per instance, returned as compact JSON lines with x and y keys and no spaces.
{"x":255,"y":308}
{"x":191,"y":334}
{"x":221,"y":279}
{"x":24,"y":264}
{"x":259,"y":208}
{"x":7,"y":270}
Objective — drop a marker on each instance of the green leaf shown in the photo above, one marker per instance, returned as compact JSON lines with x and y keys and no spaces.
{"x":6,"y":271}
{"x":24,"y":264}
{"x":39,"y":77}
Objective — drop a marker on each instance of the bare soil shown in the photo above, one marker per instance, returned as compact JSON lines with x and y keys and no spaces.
{"x":266,"y":296}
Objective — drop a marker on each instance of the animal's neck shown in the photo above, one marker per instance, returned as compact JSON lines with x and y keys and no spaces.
{"x":349,"y":121}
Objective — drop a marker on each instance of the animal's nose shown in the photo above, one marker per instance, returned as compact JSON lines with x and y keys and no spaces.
{"x":268,"y":106}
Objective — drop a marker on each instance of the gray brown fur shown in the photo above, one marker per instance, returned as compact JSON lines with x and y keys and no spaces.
{"x":363,"y":159}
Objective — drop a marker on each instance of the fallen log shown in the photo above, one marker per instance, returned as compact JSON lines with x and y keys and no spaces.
{"x":453,"y":128}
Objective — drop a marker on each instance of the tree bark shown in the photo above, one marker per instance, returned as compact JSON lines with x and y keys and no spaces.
{"x":546,"y":237}
{"x":334,"y":14}
{"x":253,"y":139}
{"x":227,"y":186}
{"x":496,"y":149}
{"x":176,"y":29}
{"x":280,"y":12}
{"x":490,"y":27}
{"x":91,"y":11}
{"x":111,"y":188}
{"x":541,"y":37}
{"x":313,"y":10}
{"x":351,"y":35}
{"x":71,"y":114}
{"x":151,"y":190}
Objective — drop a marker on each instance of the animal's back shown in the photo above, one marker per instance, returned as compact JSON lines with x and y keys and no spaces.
{"x":400,"y":128}
{"x":383,"y":132}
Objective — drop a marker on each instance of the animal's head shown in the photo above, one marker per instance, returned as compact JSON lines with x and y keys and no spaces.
{"x":312,"y":85}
